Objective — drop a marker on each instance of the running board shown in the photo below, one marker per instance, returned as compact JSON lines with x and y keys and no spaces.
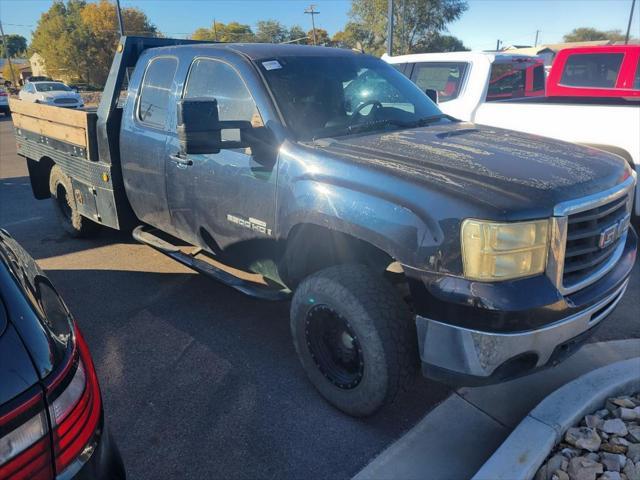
{"x":145,"y":235}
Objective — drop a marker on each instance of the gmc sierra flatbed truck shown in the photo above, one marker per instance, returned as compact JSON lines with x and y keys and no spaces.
{"x":403,"y":237}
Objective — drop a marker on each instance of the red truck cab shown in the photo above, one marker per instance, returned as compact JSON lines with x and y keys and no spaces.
{"x":611,"y":71}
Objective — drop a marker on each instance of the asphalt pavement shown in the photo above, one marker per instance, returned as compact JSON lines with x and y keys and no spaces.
{"x":198,"y":380}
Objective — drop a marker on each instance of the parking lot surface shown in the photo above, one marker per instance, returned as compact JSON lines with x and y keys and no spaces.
{"x":198,"y":380}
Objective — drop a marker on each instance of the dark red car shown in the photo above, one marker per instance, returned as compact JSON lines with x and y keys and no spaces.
{"x":606,"y":71}
{"x":51,"y":417}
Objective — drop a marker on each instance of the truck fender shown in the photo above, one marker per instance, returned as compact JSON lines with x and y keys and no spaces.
{"x":392,"y":229}
{"x":621,"y":152}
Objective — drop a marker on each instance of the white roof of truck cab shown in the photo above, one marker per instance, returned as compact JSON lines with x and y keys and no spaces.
{"x":472,"y":57}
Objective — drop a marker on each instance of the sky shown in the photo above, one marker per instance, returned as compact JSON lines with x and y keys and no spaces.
{"x":486,"y":21}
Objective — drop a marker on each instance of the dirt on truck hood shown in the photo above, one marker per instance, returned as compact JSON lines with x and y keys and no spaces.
{"x":492,"y":165}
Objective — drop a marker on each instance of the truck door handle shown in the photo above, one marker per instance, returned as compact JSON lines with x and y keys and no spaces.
{"x":180,"y":160}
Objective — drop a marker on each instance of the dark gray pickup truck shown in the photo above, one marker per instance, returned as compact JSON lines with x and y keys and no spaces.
{"x":403,"y":236}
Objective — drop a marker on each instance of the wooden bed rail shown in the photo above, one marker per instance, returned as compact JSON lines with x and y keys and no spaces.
{"x":72,"y":126}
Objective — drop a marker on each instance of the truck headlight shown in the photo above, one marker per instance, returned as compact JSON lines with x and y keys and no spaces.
{"x":494,"y":251}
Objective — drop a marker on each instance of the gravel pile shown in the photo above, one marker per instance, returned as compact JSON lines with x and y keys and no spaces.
{"x":605,"y":446}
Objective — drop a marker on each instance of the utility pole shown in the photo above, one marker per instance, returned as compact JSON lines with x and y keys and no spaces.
{"x":215,"y":30}
{"x":403,"y":39}
{"x":498,"y":45}
{"x":537,"y":32}
{"x":312,"y":11}
{"x":6,"y":54}
{"x":390,"y":28}
{"x":633,"y":5}
{"x":120,"y":24}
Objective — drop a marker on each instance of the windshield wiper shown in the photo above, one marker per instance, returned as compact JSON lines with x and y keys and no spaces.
{"x":377,"y":124}
{"x":422,"y":122}
{"x":365,"y":127}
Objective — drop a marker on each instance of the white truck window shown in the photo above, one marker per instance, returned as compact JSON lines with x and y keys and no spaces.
{"x":515,"y":79}
{"x":446,"y":78}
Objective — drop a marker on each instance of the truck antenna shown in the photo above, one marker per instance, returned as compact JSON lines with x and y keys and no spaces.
{"x":120,"y":24}
{"x":626,"y":38}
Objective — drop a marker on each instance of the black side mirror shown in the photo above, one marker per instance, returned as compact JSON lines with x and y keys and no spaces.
{"x":432,"y":94}
{"x":200,"y":128}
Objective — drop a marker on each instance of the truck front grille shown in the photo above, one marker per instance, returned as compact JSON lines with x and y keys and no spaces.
{"x":593,"y":237}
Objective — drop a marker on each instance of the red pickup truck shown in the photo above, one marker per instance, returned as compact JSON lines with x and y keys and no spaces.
{"x":611,"y":71}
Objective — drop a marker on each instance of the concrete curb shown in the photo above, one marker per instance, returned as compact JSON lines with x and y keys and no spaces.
{"x":526,"y":448}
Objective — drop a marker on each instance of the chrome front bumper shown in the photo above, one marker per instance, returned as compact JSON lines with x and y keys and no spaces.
{"x":472,"y":353}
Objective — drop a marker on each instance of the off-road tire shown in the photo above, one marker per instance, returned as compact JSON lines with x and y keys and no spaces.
{"x":380,"y":320}
{"x":65,"y":206}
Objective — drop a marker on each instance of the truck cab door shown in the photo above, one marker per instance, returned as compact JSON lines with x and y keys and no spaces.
{"x":224,"y":200}
{"x":143,"y":138}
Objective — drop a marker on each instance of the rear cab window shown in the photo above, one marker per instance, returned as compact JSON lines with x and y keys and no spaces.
{"x":596,"y":70}
{"x":446,"y":78}
{"x":156,"y":92}
{"x":401,"y":67}
{"x":636,"y":78}
{"x":515,"y":79}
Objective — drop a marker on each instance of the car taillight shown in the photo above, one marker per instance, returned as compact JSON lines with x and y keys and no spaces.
{"x":25,"y":444}
{"x":75,"y":407}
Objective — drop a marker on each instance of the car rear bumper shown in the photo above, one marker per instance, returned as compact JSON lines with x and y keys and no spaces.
{"x":100,"y":460}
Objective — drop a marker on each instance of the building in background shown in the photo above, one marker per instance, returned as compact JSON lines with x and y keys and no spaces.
{"x":21,"y":68}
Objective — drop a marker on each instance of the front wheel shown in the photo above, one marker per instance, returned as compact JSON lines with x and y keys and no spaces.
{"x":65,"y":205}
{"x":355,"y":338}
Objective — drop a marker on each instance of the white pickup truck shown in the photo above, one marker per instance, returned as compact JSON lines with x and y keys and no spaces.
{"x":507,"y":91}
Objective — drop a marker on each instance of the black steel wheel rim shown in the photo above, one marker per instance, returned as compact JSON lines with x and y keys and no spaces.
{"x":334,"y":347}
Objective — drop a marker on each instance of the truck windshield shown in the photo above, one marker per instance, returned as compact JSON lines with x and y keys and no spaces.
{"x":335,"y":96}
{"x":51,"y":87}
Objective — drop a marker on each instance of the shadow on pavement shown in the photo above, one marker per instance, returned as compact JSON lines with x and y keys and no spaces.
{"x":199,"y":378}
{"x":35,"y":225}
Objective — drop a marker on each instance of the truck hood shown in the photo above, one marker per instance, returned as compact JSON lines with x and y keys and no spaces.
{"x":516,"y":173}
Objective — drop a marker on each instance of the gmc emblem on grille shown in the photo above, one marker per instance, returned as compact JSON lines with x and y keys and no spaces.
{"x":615,"y":231}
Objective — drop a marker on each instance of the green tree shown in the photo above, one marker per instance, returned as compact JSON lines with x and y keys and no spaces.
{"x":414,"y":24}
{"x":203,"y":33}
{"x":352,"y":34}
{"x":440,"y":43}
{"x":271,"y":31}
{"x":221,"y":32}
{"x":586,"y":34}
{"x":322,"y":37}
{"x":297,"y":33}
{"x":100,"y":19}
{"x":77,"y":39}
{"x":16,"y":46}
{"x":62,"y":39}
